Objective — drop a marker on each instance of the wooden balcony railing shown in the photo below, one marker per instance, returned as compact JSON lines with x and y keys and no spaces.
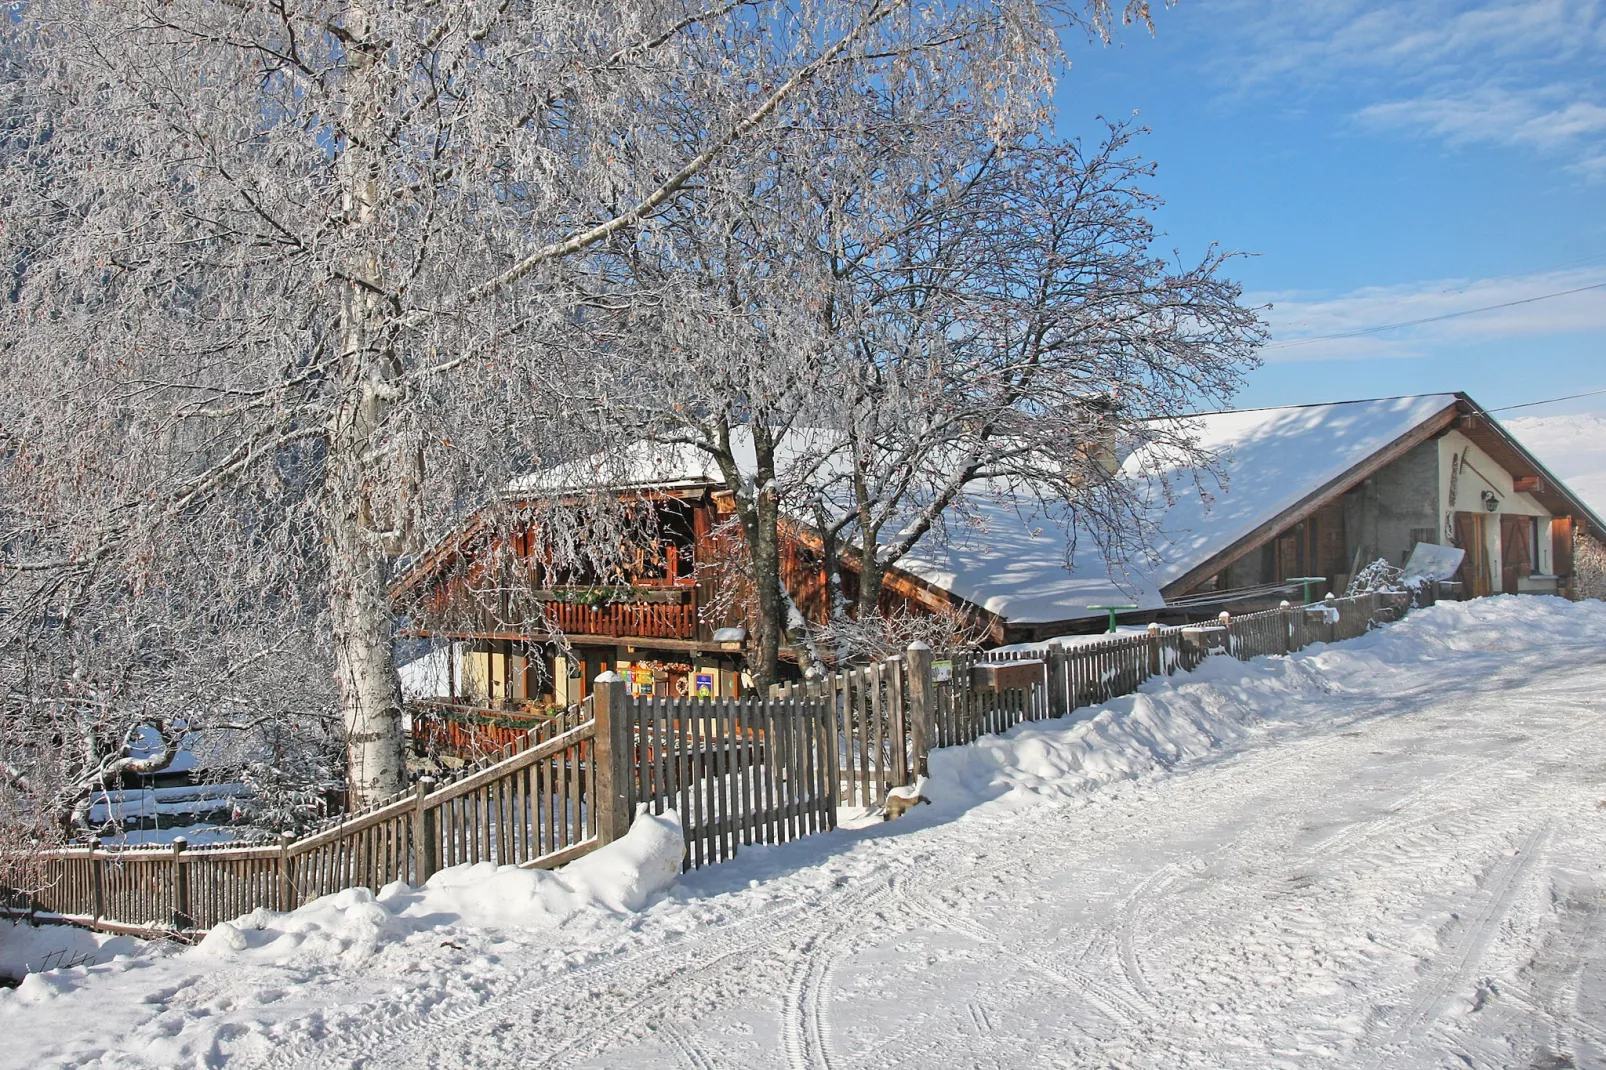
{"x":648,"y":620}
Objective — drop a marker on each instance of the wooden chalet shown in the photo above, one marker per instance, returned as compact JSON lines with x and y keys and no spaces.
{"x":1314,"y":491}
{"x":509,"y":633}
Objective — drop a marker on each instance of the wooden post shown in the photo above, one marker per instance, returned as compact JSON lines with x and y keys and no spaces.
{"x":181,"y":886}
{"x":98,"y":875}
{"x":1058,"y":691}
{"x":425,"y":848}
{"x":615,"y":753}
{"x":897,"y":725}
{"x":287,"y":873}
{"x":1156,"y":660}
{"x":1330,"y":605}
{"x":1283,"y":608}
{"x":922,"y":705}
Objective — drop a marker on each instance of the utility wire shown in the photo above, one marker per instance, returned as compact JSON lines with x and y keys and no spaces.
{"x":1548,"y":401}
{"x":1433,"y":319}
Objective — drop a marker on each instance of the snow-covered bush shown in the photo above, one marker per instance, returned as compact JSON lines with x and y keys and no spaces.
{"x":1589,"y":568}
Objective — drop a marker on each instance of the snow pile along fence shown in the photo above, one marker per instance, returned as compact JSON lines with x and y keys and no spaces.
{"x":532,"y":807}
{"x":737,"y":772}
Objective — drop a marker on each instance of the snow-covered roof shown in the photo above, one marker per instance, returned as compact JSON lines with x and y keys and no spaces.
{"x":1017,"y":563}
{"x":641,"y":464}
{"x":667,"y":466}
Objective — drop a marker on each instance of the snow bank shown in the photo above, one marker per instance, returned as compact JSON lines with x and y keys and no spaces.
{"x":1226,"y":702}
{"x":26,"y":948}
{"x":352,"y":924}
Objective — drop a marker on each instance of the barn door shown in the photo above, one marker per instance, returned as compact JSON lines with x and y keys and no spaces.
{"x":1469,"y":535}
{"x":1516,"y":553}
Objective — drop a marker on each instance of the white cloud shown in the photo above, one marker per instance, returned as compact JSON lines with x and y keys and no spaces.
{"x":1306,"y":327}
{"x":1540,"y":116}
{"x":1522,"y":73}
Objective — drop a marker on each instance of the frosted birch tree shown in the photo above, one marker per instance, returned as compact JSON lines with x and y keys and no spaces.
{"x":290,"y":284}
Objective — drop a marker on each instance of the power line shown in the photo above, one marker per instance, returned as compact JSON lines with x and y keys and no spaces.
{"x":1548,"y":401}
{"x":1433,"y":319}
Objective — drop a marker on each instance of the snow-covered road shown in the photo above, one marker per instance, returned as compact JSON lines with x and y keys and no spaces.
{"x":1386,"y":854}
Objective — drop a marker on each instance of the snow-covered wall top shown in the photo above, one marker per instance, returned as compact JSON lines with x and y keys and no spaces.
{"x":1019,"y":563}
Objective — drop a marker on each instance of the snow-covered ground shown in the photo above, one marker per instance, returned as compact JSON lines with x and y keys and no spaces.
{"x":1386,"y":853}
{"x":1573,"y":447}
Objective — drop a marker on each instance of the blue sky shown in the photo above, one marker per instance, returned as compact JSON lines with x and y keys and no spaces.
{"x":1386,"y":162}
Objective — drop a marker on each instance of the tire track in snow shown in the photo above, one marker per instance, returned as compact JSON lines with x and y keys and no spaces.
{"x":1111,"y":1004}
{"x":689,"y":1049}
{"x":521,"y":985}
{"x":1151,"y":887}
{"x":1456,"y":966}
{"x":639,"y":1002}
{"x":806,"y":1027}
{"x":1390,"y":819}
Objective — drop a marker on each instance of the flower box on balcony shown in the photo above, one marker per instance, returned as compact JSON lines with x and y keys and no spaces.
{"x":598,"y":597}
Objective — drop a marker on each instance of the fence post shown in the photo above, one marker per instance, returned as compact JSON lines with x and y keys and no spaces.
{"x":425,"y":849}
{"x":181,"y":886}
{"x":1058,"y":685}
{"x":614,"y":751}
{"x":1330,"y":606}
{"x":1156,"y":661}
{"x":922,"y":705}
{"x":287,"y":872}
{"x":98,"y":876}
{"x":897,"y":724}
{"x":1287,"y":618}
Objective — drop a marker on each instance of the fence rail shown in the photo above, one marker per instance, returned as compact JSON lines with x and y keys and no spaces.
{"x":738,"y":771}
{"x":530,"y":807}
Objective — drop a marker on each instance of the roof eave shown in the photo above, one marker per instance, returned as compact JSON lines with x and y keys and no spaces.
{"x":1486,"y":432}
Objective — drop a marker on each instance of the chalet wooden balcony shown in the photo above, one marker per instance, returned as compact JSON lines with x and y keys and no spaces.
{"x":644,"y":620}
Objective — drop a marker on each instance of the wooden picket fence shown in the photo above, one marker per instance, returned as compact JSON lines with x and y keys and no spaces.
{"x":529,"y":807}
{"x":887,"y":716}
{"x":737,"y":771}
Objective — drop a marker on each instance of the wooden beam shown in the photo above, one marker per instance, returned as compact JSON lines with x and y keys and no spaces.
{"x":692,"y":645}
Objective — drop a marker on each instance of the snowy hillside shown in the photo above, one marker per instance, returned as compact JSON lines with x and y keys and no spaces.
{"x":1573,"y":447}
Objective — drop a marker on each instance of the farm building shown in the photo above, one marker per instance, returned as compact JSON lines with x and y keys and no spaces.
{"x":1314,"y":491}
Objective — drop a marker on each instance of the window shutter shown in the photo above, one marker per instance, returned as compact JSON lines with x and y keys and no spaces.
{"x":1561,"y":546}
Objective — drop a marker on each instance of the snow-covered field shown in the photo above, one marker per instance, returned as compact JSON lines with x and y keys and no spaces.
{"x":1387,"y":853}
{"x":1573,"y":447}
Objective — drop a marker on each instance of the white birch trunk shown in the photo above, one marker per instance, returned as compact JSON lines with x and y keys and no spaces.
{"x":360,"y":550}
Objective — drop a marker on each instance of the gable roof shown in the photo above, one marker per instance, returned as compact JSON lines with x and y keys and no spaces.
{"x":1018,"y":563}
